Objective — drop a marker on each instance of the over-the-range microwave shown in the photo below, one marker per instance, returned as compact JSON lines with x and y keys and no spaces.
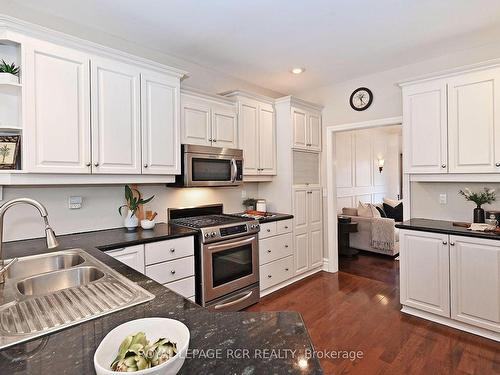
{"x":209,"y":166}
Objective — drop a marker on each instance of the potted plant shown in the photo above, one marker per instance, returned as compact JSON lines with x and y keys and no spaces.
{"x":8,"y":73}
{"x":134,"y":200}
{"x":487,"y":196}
{"x":250,"y":203}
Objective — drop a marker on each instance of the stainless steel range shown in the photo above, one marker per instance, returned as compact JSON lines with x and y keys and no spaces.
{"x":227,"y":260}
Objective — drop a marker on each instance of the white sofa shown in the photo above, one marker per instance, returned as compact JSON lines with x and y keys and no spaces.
{"x":362,"y":239}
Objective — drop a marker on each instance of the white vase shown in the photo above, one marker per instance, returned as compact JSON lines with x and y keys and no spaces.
{"x":7,"y":78}
{"x":130,"y":221}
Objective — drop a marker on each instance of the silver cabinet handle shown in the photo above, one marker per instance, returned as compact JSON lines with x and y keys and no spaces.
{"x":452,"y":243}
{"x":286,"y":246}
{"x":268,"y":251}
{"x":145,"y":165}
{"x":215,"y":140}
{"x":88,"y":164}
{"x":443,"y":165}
{"x":172,"y":250}
{"x":222,"y":305}
{"x":210,"y":139}
{"x":96,"y":164}
{"x":286,"y":226}
{"x":445,"y":243}
{"x":172,"y":272}
{"x":268,"y":230}
{"x":497,"y":164}
{"x":286,"y":269}
{"x":269,"y":276}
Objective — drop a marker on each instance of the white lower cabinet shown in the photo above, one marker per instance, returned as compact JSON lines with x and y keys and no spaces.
{"x":275,"y":253}
{"x":132,"y":256}
{"x":168,"y":262}
{"x":475,"y":281}
{"x":455,"y":277}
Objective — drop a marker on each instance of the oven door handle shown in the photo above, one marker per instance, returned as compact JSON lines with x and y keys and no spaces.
{"x":234,"y":302}
{"x":234,"y":170}
{"x":230,"y":245}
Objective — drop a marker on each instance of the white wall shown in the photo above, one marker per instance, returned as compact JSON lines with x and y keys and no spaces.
{"x":358,"y":176}
{"x":100,"y":206}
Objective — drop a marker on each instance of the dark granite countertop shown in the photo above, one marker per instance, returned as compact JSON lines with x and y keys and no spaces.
{"x":445,"y":227}
{"x":269,"y":342}
{"x":276,"y":217}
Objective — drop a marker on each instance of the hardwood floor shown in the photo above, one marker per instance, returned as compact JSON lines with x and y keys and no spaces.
{"x":357,"y":309}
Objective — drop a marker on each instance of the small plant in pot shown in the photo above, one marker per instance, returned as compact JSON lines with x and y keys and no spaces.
{"x":8,"y":73}
{"x":249,"y":204}
{"x":487,"y":196}
{"x":134,"y":200}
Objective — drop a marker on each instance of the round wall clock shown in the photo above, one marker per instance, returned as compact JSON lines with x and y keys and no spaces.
{"x":361,"y":99}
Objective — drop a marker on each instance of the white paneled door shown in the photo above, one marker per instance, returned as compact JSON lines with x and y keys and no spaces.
{"x":474,"y":122}
{"x":425,"y":128}
{"x":249,"y":130}
{"x":57,"y":130}
{"x":116,"y":120}
{"x":425,"y":271}
{"x":196,"y":124}
{"x":299,"y":122}
{"x":160,"y":124}
{"x":314,"y":131}
{"x":267,"y":141}
{"x":224,"y":128}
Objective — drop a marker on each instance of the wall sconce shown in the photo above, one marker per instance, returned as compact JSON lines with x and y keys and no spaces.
{"x":381,"y":163}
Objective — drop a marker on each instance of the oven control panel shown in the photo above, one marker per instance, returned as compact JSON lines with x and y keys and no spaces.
{"x":229,"y":231}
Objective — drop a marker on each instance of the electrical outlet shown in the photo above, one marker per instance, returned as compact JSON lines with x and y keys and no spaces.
{"x":243,"y":193}
{"x":443,"y":198}
{"x":75,"y":203}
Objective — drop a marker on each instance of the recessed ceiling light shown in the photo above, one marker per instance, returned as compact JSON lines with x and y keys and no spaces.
{"x":298,"y":70}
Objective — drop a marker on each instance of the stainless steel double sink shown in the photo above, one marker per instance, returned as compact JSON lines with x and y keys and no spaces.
{"x":48,"y":292}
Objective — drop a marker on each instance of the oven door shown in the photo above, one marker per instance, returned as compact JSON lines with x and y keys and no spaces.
{"x":212,"y":170}
{"x":229,"y":266}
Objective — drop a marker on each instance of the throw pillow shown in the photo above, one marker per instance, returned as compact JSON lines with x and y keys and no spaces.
{"x":381,"y":211}
{"x":364,"y":210}
{"x":395,"y":213}
{"x":392,"y":202}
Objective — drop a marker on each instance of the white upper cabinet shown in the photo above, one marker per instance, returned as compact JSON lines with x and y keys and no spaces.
{"x":57,"y":129}
{"x":306,"y":129}
{"x":425,"y":128}
{"x":116,"y":120}
{"x":257,"y":129}
{"x":452,"y":125}
{"x":208,"y":120}
{"x":224,"y":127}
{"x":474,"y":122}
{"x":160,"y":96}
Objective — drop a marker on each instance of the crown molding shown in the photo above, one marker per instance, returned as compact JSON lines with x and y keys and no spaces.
{"x":450,"y":72}
{"x":32,"y":30}
{"x":197,"y":93}
{"x":293,"y":101}
{"x":248,"y":95}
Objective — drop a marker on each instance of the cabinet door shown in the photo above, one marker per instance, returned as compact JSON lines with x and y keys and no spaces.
{"x":315,"y":226}
{"x":224,"y":128}
{"x":160,"y":124}
{"x":116,"y":120}
{"x":301,"y":252}
{"x":57,"y":130}
{"x":196,"y":127}
{"x":249,"y":136}
{"x":425,"y":130}
{"x":474,"y":122}
{"x":132,"y":256}
{"x":267,"y":141}
{"x":301,"y":215}
{"x":475,"y":281}
{"x":424,"y":271}
{"x":299,"y":123}
{"x":314,"y":131}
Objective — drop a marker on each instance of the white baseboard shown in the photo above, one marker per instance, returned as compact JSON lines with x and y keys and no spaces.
{"x":325,"y":265}
{"x":289,"y":281}
{"x":451,"y":323}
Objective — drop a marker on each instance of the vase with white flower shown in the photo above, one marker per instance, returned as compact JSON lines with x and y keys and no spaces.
{"x":486,"y":196}
{"x":134,"y":200}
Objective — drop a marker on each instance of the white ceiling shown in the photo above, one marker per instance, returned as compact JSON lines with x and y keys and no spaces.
{"x":259,"y":40}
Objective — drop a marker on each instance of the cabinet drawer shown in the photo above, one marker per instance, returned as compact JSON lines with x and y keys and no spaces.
{"x":284,"y":226}
{"x":163,"y":251}
{"x":184,"y":287}
{"x":276,"y":272}
{"x":267,"y":230}
{"x":275,"y":248}
{"x":170,"y":271}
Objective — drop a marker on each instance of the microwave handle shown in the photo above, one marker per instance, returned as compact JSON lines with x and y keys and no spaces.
{"x":234,"y":170}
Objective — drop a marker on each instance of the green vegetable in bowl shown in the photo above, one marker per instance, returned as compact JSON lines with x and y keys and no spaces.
{"x":136,"y":353}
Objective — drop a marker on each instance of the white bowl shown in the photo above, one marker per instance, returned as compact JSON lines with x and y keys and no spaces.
{"x":154,"y":328}
{"x":147,"y":224}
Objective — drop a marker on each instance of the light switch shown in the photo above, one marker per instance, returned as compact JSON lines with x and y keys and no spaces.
{"x":75,"y":203}
{"x":443,"y":198}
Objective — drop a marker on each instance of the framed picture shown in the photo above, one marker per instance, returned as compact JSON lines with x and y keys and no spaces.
{"x":9,"y":150}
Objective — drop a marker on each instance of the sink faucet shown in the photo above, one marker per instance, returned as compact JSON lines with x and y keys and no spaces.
{"x":49,"y":233}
